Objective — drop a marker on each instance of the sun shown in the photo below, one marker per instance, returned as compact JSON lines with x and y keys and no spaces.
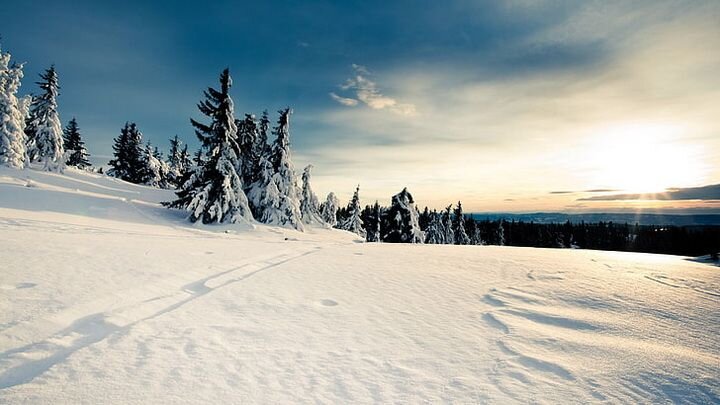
{"x":644,"y":158}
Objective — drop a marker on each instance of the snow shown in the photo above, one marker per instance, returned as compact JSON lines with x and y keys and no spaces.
{"x":106,"y":297}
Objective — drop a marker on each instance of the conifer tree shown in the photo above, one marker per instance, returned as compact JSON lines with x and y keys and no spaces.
{"x":403,"y":224}
{"x":309,"y":206}
{"x":247,"y":138}
{"x":13,"y":113}
{"x":262,"y":147}
{"x":374,"y":229}
{"x":74,"y":146}
{"x":330,"y":209}
{"x":500,"y":233}
{"x":275,"y":195}
{"x":354,"y":222}
{"x":461,"y":237}
{"x":44,"y":130}
{"x":214,"y":192}
{"x":177,"y":161}
{"x":129,"y":162}
{"x":447,"y":224}
{"x":434,"y":233}
{"x":156,"y":170}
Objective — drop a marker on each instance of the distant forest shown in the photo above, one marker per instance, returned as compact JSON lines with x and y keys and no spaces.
{"x":690,"y":240}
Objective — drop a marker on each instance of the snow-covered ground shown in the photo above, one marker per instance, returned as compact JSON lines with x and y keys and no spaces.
{"x":105,"y":297}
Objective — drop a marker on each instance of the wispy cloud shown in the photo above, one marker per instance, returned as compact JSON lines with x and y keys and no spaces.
{"x":710,"y":192}
{"x":366,"y":91}
{"x":350,"y":102}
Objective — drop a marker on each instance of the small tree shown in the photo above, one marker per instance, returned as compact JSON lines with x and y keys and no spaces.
{"x":157,"y":171}
{"x":461,"y":237}
{"x":354,"y":222}
{"x":403,"y":225}
{"x":44,"y":130}
{"x":330,"y":209}
{"x":74,"y":146}
{"x":309,"y":206}
{"x":129,"y":162}
{"x":434,"y":233}
{"x":447,"y":226}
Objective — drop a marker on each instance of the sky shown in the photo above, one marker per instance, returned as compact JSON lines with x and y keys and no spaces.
{"x":509,"y":106}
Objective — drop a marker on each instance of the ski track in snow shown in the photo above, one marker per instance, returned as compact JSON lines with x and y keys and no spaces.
{"x":161,"y":311}
{"x":96,"y":327}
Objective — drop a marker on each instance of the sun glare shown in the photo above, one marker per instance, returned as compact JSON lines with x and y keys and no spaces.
{"x":642,"y":158}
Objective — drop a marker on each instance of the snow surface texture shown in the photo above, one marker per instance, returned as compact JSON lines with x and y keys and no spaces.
{"x":105,"y":297}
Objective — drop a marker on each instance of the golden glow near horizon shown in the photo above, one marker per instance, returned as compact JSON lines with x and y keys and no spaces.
{"x":645,"y":158}
{"x":638,"y":119}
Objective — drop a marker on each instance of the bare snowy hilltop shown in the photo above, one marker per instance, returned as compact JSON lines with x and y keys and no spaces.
{"x":107,"y":297}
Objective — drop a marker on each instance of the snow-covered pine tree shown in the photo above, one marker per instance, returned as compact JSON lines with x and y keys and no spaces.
{"x":354,"y":222}
{"x":373,"y":231}
{"x":309,"y":206}
{"x":262,"y":147}
{"x":447,"y":226}
{"x":129,"y":162}
{"x":500,"y":233}
{"x":176,"y":161}
{"x":13,"y":113}
{"x":434,"y":233}
{"x":329,"y":209}
{"x":264,"y":195}
{"x":247,"y":136}
{"x":44,"y":129}
{"x":284,"y":208}
{"x":213,"y":193}
{"x":461,"y":237}
{"x":77,"y":155}
{"x":403,"y":225}
{"x":156,"y":170}
{"x":185,"y":161}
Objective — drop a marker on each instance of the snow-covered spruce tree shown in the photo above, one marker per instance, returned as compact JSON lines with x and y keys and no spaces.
{"x":213,"y":193}
{"x":447,"y":226}
{"x":44,"y":130}
{"x":434,"y":233}
{"x":282,"y":208}
{"x":309,"y":206}
{"x":262,"y":147}
{"x":157,"y":171}
{"x":247,"y":136}
{"x":77,"y":155}
{"x":461,"y":237}
{"x":500,"y":233}
{"x":174,"y":159}
{"x":373,"y":230}
{"x":128,"y":163}
{"x":354,"y":222}
{"x":264,"y":195}
{"x":403,"y":225}
{"x":13,"y":113}
{"x":330,"y":209}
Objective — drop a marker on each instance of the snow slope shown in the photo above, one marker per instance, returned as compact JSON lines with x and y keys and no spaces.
{"x":105,"y":297}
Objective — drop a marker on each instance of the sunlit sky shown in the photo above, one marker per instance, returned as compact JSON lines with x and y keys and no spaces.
{"x":508,"y":106}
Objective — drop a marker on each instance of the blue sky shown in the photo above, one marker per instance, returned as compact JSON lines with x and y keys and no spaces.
{"x":495,"y":103}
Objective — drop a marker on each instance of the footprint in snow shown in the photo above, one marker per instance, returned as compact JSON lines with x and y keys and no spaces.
{"x":328,"y":303}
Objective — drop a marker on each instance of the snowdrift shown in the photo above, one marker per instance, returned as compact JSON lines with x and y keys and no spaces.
{"x":107,"y":297}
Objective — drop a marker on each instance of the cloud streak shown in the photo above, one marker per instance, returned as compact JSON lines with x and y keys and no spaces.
{"x":366,"y":91}
{"x":710,"y":192}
